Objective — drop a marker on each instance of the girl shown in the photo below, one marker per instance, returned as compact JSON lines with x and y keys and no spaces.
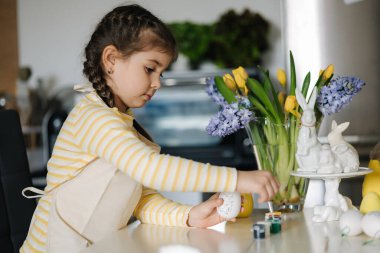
{"x":104,"y":167}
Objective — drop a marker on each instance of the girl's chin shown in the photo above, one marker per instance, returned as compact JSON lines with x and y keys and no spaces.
{"x":139,"y":105}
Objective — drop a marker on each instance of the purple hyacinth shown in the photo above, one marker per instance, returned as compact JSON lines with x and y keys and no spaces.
{"x":231,"y":117}
{"x":228,"y":120}
{"x":213,"y":92}
{"x":339,"y":93}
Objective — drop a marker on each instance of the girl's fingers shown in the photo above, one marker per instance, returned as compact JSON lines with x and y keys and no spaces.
{"x":270,"y":191}
{"x":275,"y":185}
{"x":215,"y":196}
{"x":263,"y":196}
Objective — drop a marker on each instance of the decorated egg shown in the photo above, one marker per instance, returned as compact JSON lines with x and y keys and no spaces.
{"x":350,"y":222}
{"x":371,"y":224}
{"x":231,"y":205}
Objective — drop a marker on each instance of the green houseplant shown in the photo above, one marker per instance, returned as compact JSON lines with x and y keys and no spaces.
{"x":234,"y":39}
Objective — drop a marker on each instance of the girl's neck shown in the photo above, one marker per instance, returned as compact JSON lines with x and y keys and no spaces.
{"x":120,"y":105}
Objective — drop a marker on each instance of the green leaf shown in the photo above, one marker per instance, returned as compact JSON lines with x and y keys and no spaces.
{"x":268,"y":83}
{"x":306,"y":83}
{"x":257,"y":105}
{"x":228,"y":94}
{"x":259,"y":92}
{"x":319,"y":82}
{"x":292,"y":76}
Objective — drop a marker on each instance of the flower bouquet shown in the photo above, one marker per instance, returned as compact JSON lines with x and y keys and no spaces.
{"x":271,"y":116}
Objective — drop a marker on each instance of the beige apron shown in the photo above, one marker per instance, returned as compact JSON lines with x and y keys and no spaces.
{"x":98,"y":201}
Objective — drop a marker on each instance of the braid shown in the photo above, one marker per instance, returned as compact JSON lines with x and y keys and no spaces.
{"x":130,"y":29}
{"x":94,"y":72}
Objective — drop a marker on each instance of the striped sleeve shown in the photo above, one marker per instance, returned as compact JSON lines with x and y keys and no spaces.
{"x":153,"y":208}
{"x":36,"y":240}
{"x":104,"y":133}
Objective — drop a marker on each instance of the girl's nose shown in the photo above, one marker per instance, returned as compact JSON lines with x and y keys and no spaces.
{"x":156,"y":84}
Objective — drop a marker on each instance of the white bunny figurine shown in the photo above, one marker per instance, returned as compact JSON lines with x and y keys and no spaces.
{"x":328,"y":162}
{"x":326,"y":213}
{"x":308,"y":146}
{"x":332,"y":195}
{"x":335,"y":203}
{"x":347,"y":155}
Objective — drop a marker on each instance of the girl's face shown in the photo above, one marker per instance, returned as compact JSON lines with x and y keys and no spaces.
{"x":135,"y":79}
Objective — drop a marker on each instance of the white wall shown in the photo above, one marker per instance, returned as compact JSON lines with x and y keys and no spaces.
{"x":53,"y":33}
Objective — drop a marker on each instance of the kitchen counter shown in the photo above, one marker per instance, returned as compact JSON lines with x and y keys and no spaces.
{"x":299,"y":234}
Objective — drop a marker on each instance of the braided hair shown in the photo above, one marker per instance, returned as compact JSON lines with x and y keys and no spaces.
{"x":130,"y":29}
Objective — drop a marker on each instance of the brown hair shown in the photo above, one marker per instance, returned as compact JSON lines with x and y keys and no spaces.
{"x":130,"y":29}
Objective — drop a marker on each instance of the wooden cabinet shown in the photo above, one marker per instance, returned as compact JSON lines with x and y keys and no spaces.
{"x":8,"y":46}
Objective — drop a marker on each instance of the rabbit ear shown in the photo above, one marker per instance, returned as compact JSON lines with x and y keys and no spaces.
{"x":333,"y":125}
{"x":313,"y":98}
{"x":343,"y":126}
{"x":301,"y":100}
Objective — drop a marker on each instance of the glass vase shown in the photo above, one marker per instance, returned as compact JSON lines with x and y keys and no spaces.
{"x":274,"y":147}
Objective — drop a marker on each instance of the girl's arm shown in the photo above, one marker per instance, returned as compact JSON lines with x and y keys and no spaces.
{"x":104,"y":133}
{"x":153,"y":208}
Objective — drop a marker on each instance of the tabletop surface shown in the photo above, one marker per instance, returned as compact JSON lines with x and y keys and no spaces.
{"x":298,"y":234}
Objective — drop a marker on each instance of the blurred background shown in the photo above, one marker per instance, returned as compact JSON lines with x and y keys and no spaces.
{"x":41,"y":55}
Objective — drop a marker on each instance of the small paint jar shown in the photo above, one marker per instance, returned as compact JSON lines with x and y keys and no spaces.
{"x":259,"y":231}
{"x":267,"y":225}
{"x":275,"y":227}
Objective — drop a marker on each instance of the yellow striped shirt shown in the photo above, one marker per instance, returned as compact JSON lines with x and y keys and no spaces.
{"x":94,"y":130}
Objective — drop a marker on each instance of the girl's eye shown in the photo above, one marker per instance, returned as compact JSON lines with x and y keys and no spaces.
{"x":149,"y":70}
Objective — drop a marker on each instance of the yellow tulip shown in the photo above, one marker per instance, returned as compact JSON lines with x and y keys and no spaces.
{"x":230,"y":82}
{"x":241,"y":77}
{"x":320,"y":72}
{"x":241,"y":84}
{"x":281,"y":77}
{"x":281,"y":97}
{"x":291,"y":105}
{"x":240,"y":71}
{"x":328,"y":71}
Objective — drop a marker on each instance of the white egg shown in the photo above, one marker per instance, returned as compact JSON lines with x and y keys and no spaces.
{"x":231,"y":205}
{"x":371,"y":224}
{"x":350,"y":222}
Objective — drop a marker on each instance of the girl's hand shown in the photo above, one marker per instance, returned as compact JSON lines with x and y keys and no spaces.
{"x":205,"y":214}
{"x":261,"y":182}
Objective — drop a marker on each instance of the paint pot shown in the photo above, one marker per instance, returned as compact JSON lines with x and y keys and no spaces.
{"x":259,"y":231}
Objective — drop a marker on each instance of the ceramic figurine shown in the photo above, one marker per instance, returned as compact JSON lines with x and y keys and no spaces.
{"x":347,"y":155}
{"x":335,"y":203}
{"x":308,"y":146}
{"x":326,"y":213}
{"x":328,"y":162}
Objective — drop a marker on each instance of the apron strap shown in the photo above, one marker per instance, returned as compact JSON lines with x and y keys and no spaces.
{"x":39,"y":193}
{"x":85,"y":88}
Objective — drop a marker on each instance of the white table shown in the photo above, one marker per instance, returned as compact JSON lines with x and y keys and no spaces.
{"x":299,"y":234}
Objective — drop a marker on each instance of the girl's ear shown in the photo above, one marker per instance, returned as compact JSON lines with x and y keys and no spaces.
{"x":109,"y":56}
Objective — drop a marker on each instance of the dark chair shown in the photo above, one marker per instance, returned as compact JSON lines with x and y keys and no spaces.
{"x":15,"y":210}
{"x":51,"y":125}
